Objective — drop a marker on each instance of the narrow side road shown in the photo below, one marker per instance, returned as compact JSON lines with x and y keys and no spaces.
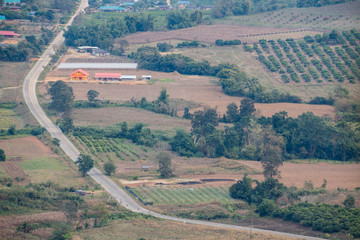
{"x":29,"y":92}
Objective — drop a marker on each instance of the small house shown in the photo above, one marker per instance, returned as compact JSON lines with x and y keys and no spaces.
{"x":164,"y":7}
{"x":79,"y":75}
{"x":2,"y":18}
{"x":108,"y":76}
{"x":128,"y":77}
{"x":145,"y":168}
{"x":83,"y":49}
{"x":9,"y":34}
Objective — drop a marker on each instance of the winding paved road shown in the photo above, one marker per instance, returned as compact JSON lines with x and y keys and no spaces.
{"x":29,"y":92}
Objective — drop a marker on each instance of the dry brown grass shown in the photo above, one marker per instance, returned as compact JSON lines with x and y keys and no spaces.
{"x":161,"y":229}
{"x":210,"y":33}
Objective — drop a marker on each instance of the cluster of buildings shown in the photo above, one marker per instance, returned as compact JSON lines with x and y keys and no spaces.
{"x":121,"y":6}
{"x":13,"y":5}
{"x":81,"y":75}
{"x":128,"y":6}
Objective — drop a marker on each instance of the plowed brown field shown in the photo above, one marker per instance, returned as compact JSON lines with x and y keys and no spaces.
{"x":210,"y":33}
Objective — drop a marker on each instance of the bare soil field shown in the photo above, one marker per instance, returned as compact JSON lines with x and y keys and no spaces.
{"x":110,"y":116}
{"x":210,"y":33}
{"x":12,"y":168}
{"x":161,"y":229}
{"x":346,"y":176}
{"x":12,"y":73}
{"x":9,"y":223}
{"x":193,"y":89}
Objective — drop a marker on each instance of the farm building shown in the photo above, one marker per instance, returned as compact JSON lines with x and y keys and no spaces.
{"x":164,"y":7}
{"x":84,"y":49}
{"x":79,"y":75}
{"x":6,"y":2}
{"x":112,"y":9}
{"x":108,"y":76}
{"x":9,"y":34}
{"x":147,"y":77}
{"x":100,"y":52}
{"x":98,"y":65}
{"x":2,"y":17}
{"x":128,"y":77}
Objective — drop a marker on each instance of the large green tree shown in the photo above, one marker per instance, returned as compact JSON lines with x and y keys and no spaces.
{"x":92,"y":95}
{"x":2,"y":155}
{"x":204,"y":122}
{"x":62,"y":96}
{"x":164,"y":160}
{"x":85,"y":164}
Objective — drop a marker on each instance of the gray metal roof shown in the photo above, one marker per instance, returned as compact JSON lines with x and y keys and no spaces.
{"x":98,"y":65}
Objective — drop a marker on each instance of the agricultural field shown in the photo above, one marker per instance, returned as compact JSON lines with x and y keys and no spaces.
{"x":161,"y":229}
{"x":29,"y":160}
{"x":210,"y":33}
{"x":188,"y":195}
{"x":306,"y":62}
{"x":112,"y":149}
{"x":339,"y":16}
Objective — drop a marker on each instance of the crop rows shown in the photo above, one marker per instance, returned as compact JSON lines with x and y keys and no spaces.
{"x":307,"y":61}
{"x":159,"y":195}
{"x":121,"y":149}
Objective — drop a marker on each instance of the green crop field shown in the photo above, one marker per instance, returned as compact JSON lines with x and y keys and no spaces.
{"x":43,"y":164}
{"x":9,"y":117}
{"x":112,"y":147}
{"x":172,"y":196}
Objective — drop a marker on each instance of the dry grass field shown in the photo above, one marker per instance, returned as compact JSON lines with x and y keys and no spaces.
{"x":339,"y":16}
{"x":161,"y":229}
{"x":210,"y":33}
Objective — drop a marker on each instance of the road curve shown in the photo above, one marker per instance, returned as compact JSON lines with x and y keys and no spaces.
{"x":29,"y":92}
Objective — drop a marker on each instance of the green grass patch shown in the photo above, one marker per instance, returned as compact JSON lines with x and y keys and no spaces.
{"x":160,"y":80}
{"x":43,"y":164}
{"x":159,"y":195}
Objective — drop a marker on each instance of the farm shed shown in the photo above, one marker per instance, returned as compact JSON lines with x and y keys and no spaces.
{"x":128,"y":77}
{"x":98,"y":65}
{"x":100,"y":52}
{"x":9,"y":34}
{"x":12,"y":1}
{"x":79,"y":75}
{"x":147,"y":77}
{"x":112,"y":9}
{"x":108,"y":76}
{"x":2,"y":17}
{"x":84,"y":49}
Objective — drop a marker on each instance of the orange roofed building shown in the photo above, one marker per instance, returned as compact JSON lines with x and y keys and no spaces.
{"x":79,"y":75}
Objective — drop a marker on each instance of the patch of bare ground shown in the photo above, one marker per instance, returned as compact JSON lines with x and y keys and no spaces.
{"x":26,"y":147}
{"x":162,"y":229}
{"x":336,"y":175}
{"x":12,"y":168}
{"x":208,"y":33}
{"x":109,"y":116}
{"x":9,"y":223}
{"x":196,"y":89}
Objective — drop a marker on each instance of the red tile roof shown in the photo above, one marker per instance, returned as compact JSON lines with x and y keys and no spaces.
{"x":9,"y":33}
{"x":107,"y":75}
{"x":81,"y":71}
